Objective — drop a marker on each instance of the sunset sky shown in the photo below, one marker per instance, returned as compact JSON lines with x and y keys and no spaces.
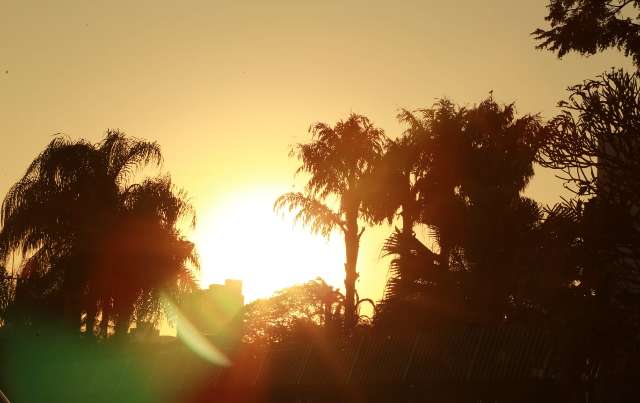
{"x":227,"y":87}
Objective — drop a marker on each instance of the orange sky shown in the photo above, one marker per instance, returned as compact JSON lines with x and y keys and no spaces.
{"x":226,"y":86}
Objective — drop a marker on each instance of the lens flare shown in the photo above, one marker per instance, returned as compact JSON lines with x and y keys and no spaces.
{"x":191,"y":337}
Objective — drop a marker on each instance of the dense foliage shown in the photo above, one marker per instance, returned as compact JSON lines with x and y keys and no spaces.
{"x":294,"y":313}
{"x":97,"y":248}
{"x":591,"y":26}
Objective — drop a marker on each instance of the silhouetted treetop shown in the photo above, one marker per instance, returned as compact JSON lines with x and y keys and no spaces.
{"x":69,"y":175}
{"x":595,"y":140}
{"x":339,"y":156}
{"x":460,"y":172}
{"x":292,"y":312}
{"x":392,"y":182}
{"x":589,"y":26}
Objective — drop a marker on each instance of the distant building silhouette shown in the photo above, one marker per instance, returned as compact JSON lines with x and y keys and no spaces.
{"x":212,"y":311}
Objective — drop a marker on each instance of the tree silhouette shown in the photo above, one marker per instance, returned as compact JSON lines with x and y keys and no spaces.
{"x":416,"y":179}
{"x":594,"y":141}
{"x":147,"y":250}
{"x":469,"y":168}
{"x":593,"y":144}
{"x":75,"y":202}
{"x":589,"y":26}
{"x":294,"y":311}
{"x":443,"y":152}
{"x":337,"y":159}
{"x":391,"y":190}
{"x":166,"y":259}
{"x":499,"y":219}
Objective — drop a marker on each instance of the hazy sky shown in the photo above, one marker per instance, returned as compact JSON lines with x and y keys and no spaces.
{"x":226,"y":87}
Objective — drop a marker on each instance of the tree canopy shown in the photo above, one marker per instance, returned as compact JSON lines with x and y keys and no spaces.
{"x":590,"y":26}
{"x":294,"y":312}
{"x":594,"y":141}
{"x":94,"y":243}
{"x":467,"y":169}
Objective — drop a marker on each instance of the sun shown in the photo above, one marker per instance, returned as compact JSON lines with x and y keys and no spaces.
{"x":241,"y":237}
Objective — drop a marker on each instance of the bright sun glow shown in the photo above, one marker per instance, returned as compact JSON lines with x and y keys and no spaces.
{"x":242,"y":238}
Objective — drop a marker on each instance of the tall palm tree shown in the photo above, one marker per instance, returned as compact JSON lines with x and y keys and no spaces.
{"x":61,"y":214}
{"x":499,"y":219}
{"x":393,"y":191}
{"x":337,"y":159}
{"x":469,"y":168}
{"x":416,"y":179}
{"x":439,"y":134}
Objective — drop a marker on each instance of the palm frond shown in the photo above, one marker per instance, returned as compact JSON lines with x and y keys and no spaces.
{"x":311,"y":212}
{"x":339,"y":156}
{"x":411,"y":261}
{"x":125,"y":155}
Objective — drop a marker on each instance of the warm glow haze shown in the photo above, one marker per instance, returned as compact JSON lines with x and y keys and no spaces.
{"x":242,"y":237}
{"x":226,"y":87}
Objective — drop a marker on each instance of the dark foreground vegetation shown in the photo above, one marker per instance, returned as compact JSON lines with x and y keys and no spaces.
{"x":459,"y":363}
{"x":506,"y":299}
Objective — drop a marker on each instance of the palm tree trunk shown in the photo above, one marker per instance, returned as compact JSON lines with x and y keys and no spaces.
{"x":104,"y":322}
{"x":352,"y":243}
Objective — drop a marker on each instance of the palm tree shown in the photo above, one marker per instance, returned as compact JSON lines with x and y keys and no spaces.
{"x":338,"y":159}
{"x":161,"y":260}
{"x":464,"y":176}
{"x":393,"y":184}
{"x":63,"y":213}
{"x":416,"y":179}
{"x":444,"y":150}
{"x":499,"y":219}
{"x":145,"y":248}
{"x":393,"y":190}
